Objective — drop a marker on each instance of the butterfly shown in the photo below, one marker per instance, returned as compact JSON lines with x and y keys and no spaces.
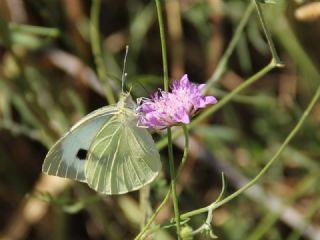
{"x":107,"y":150}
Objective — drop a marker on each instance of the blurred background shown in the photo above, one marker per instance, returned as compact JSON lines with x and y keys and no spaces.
{"x":48,"y":81}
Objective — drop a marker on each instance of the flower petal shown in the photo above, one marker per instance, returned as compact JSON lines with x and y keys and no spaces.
{"x":184,"y":81}
{"x":185,"y":119}
{"x":201,"y":86}
{"x":166,"y":109}
{"x":210,"y":100}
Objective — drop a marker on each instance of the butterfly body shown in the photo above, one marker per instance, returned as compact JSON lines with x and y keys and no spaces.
{"x":106,"y":150}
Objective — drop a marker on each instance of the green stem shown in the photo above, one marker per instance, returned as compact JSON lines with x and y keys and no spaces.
{"x":96,"y":49}
{"x":166,"y":88}
{"x":153,"y":217}
{"x":163,"y":47}
{"x":267,"y":166}
{"x":163,"y":142}
{"x":144,"y":196}
{"x":224,"y":60}
{"x":268,"y":35}
{"x":173,"y":184}
{"x":166,"y":198}
{"x":186,"y":148}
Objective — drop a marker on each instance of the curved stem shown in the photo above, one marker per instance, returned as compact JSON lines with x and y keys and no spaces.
{"x":153,"y":217}
{"x":235,"y":38}
{"x":267,"y":166}
{"x":268,"y":35}
{"x":166,"y":198}
{"x":96,"y":49}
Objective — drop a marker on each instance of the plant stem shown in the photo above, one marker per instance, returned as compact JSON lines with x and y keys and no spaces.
{"x":163,"y":46}
{"x":153,"y":217}
{"x":96,"y":49}
{"x":275,"y":62}
{"x":267,"y":34}
{"x":166,"y":198}
{"x":145,"y":208}
{"x":235,"y":38}
{"x":266,"y":167}
{"x":173,"y":184}
{"x":166,"y":88}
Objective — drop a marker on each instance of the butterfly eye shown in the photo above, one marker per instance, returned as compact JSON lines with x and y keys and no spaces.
{"x":82,"y":154}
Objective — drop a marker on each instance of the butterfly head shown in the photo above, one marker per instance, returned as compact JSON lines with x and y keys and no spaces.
{"x":126,"y":101}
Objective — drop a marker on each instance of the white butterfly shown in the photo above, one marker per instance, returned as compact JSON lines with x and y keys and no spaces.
{"x":107,"y":150}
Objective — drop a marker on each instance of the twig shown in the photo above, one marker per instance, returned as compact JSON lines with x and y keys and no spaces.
{"x":267,"y":166}
{"x":225,"y":58}
{"x":290,"y":216}
{"x":169,"y":137}
{"x":166,"y":198}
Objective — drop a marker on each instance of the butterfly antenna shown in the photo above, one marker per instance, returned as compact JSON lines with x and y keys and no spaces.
{"x":124,"y":74}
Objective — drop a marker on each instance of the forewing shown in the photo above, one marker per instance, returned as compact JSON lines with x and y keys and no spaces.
{"x":68,"y":155}
{"x":122,"y":158}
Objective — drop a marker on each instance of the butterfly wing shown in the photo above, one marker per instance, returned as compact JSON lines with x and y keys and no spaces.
{"x":68,"y":155}
{"x":122,"y":157}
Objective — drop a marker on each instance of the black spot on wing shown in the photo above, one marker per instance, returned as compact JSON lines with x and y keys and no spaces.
{"x":82,"y":154}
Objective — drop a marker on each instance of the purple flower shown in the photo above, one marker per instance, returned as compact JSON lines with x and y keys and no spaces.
{"x":166,"y":109}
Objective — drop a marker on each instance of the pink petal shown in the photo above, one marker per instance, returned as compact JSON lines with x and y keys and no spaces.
{"x":184,"y":118}
{"x":175,"y":84}
{"x":184,"y":80}
{"x":202,"y":103}
{"x":201,"y":86}
{"x":210,"y":100}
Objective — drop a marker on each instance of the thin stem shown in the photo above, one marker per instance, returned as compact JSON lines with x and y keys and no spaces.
{"x":144,"y":195}
{"x":224,"y":60}
{"x":163,"y":46}
{"x":267,"y":166}
{"x":267,"y":34}
{"x":153,"y":217}
{"x":166,"y":88}
{"x":186,"y":148}
{"x":173,"y":184}
{"x":163,"y":142}
{"x":96,"y":49}
{"x":166,"y":198}
{"x":207,"y":224}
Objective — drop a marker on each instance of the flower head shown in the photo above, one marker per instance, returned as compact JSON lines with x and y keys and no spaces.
{"x":165,"y":109}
